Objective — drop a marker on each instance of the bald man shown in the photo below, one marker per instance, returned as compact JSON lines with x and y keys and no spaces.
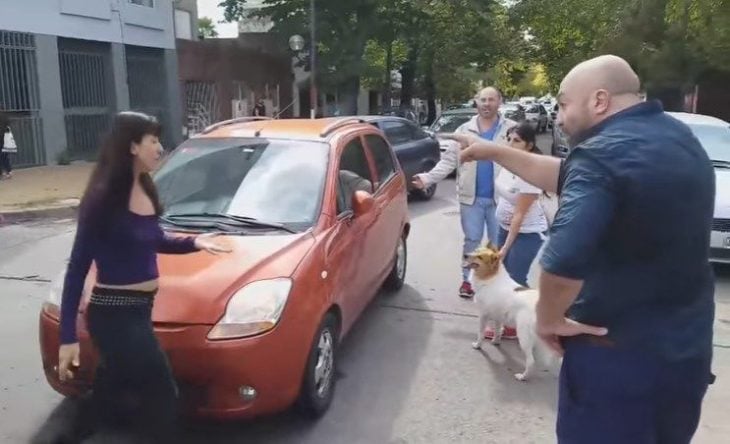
{"x":626,"y":291}
{"x":475,"y":180}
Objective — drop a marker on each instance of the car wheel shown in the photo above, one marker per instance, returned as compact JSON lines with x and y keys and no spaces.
{"x":318,"y":387}
{"x":425,"y":194}
{"x":397,"y":276}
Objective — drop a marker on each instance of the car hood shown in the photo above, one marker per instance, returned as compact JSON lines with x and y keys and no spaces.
{"x":195,"y":288}
{"x":722,"y":193}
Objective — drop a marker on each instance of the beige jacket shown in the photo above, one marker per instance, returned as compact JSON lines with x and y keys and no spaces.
{"x":466,"y":173}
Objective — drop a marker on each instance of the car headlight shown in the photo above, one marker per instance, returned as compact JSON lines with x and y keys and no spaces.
{"x":52,"y":304}
{"x":254,"y":309}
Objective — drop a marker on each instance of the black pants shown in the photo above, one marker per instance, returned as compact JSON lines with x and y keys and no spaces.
{"x":610,"y":395}
{"x":134,"y":389}
{"x":5,"y":166}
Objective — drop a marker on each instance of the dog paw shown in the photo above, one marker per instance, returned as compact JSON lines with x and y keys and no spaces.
{"x":520,"y":377}
{"x":476,"y":345}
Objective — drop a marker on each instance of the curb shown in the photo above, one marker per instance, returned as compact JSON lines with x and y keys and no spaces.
{"x":15,"y":217}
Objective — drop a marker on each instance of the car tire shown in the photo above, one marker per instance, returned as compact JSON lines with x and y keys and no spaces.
{"x":397,"y":276}
{"x":318,"y":386}
{"x":425,"y":194}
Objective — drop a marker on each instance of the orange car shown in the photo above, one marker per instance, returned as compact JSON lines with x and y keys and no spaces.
{"x":316,"y":213}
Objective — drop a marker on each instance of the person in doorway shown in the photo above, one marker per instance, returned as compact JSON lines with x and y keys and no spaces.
{"x":260,"y":109}
{"x":627,"y":290}
{"x":475,"y":179}
{"x":118,"y":230}
{"x":7,"y":147}
{"x":522,"y":222}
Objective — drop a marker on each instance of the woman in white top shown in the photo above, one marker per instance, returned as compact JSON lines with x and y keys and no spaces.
{"x":519,"y":213}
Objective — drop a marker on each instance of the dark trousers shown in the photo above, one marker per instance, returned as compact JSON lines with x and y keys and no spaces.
{"x":608,"y":395}
{"x":134,"y":390}
{"x":5,"y":166}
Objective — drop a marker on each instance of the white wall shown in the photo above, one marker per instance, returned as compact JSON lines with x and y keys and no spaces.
{"x":116,"y":21}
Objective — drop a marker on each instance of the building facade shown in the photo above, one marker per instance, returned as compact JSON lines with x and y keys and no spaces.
{"x":66,"y":66}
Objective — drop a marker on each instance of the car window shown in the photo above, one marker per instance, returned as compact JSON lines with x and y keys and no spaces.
{"x":397,"y":132}
{"x":354,"y":174}
{"x":271,"y":180}
{"x":714,"y":139}
{"x":448,"y":123}
{"x":383,"y":157}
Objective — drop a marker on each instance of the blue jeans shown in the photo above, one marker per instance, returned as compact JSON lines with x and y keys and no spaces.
{"x":473,"y":220}
{"x":611,"y":395}
{"x":520,"y":255}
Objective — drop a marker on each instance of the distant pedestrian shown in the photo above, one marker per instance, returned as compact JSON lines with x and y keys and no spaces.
{"x":522,"y":221}
{"x":628,"y":252}
{"x":118,"y":230}
{"x":7,"y":147}
{"x":475,"y":179}
{"x":260,"y":109}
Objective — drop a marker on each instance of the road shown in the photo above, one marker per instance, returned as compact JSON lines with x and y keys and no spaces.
{"x":407,"y":372}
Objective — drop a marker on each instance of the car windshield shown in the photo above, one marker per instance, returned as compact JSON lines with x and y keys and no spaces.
{"x":449,"y":123}
{"x":715,"y":139}
{"x":275,"y":181}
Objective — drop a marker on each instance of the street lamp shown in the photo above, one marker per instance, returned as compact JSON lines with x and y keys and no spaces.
{"x":313,"y":62}
{"x":296,"y":44}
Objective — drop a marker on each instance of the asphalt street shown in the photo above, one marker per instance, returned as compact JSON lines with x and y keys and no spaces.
{"x":407,"y":372}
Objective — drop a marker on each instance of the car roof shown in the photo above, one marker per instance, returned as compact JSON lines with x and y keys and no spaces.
{"x":469,"y":111}
{"x":377,"y":118}
{"x":698,"y":119}
{"x":303,"y":129}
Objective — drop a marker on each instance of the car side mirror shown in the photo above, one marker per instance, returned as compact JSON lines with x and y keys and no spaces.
{"x":362,"y":202}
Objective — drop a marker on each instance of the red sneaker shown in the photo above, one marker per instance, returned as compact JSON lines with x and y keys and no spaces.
{"x":466,"y":291}
{"x":507,"y":333}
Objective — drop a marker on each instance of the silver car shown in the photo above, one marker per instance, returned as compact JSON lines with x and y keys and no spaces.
{"x":714,"y":135}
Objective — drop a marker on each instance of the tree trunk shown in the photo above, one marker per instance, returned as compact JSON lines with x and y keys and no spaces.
{"x":350,"y":94}
{"x":388,"y":83}
{"x":430,"y":88}
{"x":408,"y":77}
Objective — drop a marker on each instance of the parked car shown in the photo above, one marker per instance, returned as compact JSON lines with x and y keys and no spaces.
{"x":537,"y":116}
{"x":417,"y":151}
{"x":513,"y":111}
{"x":316,"y":214}
{"x":449,"y":121}
{"x":560,"y":146}
{"x":714,"y":135}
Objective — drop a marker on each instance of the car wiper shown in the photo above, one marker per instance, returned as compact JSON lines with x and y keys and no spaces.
{"x":229,"y":218}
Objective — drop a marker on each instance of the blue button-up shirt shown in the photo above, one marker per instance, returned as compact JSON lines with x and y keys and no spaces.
{"x":485,"y":168}
{"x":636,"y":208}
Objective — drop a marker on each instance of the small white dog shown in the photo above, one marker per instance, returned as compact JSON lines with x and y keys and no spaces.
{"x":502,"y":301}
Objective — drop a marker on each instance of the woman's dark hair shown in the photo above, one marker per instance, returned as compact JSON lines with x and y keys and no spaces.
{"x":107,"y":194}
{"x":528,"y":134}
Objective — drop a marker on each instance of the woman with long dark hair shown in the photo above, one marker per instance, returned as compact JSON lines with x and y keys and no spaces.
{"x":118,"y":230}
{"x":521,"y":218}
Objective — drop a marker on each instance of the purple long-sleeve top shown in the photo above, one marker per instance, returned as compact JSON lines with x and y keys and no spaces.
{"x":125,"y":252}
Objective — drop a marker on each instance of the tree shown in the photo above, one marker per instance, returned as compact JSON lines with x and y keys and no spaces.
{"x":343,"y":29}
{"x":206,"y":28}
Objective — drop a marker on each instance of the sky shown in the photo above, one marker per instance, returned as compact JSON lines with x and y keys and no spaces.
{"x":210,"y":8}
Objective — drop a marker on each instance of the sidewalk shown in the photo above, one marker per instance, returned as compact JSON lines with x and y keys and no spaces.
{"x":43,"y":191}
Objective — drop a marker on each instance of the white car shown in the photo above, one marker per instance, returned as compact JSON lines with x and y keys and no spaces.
{"x":537,"y":116}
{"x":714,"y":135}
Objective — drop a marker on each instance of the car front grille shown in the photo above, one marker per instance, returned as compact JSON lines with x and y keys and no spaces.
{"x":722,"y":225}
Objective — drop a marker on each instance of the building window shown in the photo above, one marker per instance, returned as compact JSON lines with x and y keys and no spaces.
{"x":147,"y":3}
{"x":183,"y":25}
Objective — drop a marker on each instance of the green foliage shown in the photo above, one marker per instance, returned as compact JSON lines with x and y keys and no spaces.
{"x":206,"y":28}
